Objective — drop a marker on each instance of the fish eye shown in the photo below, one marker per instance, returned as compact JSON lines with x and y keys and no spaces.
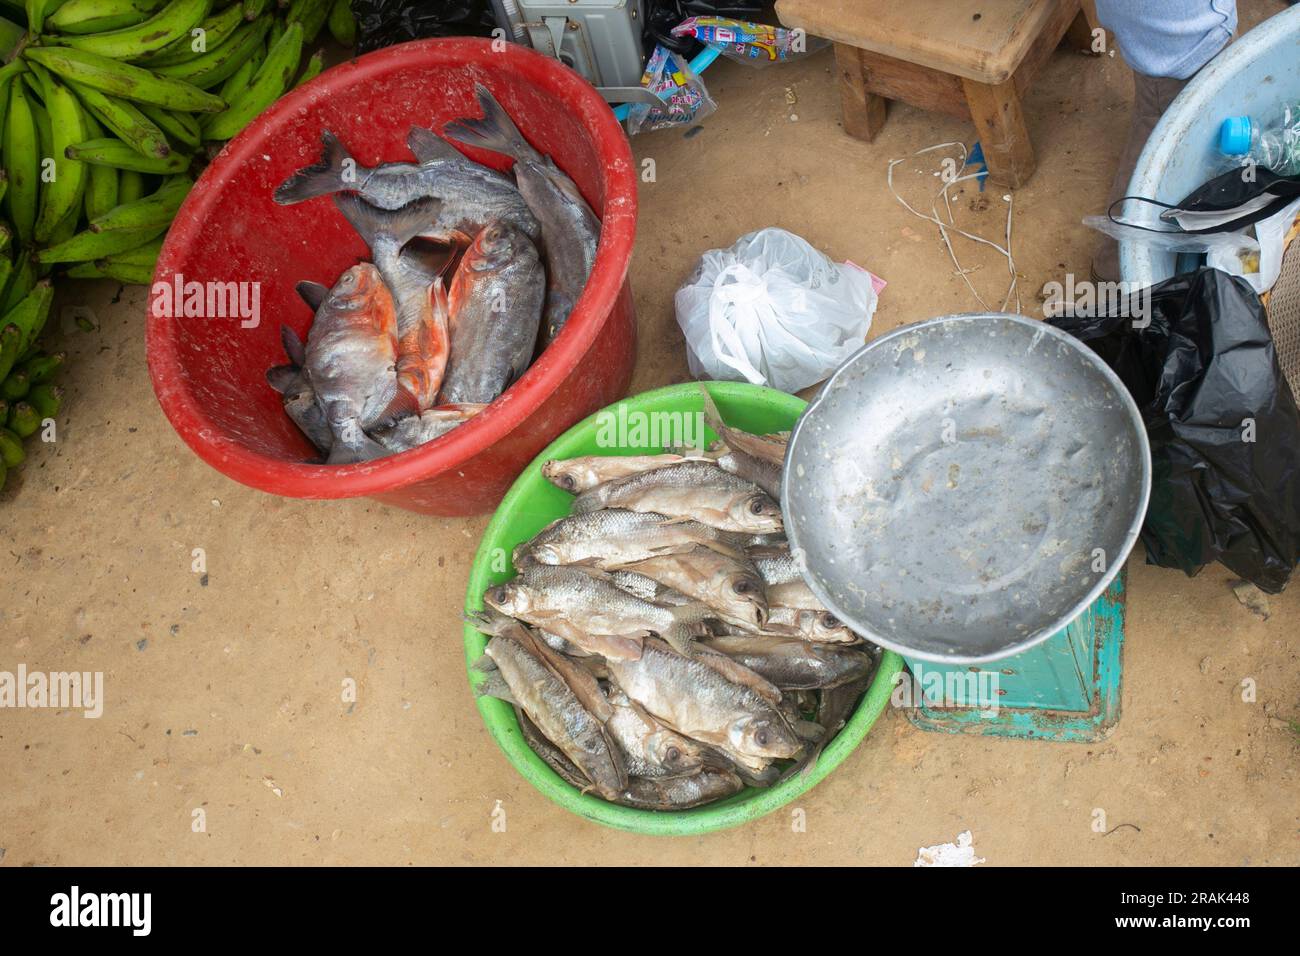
{"x":743,"y":586}
{"x":756,"y":506}
{"x":568,"y":482}
{"x":499,"y":594}
{"x":760,"y":737}
{"x":830,"y":620}
{"x":672,"y":755}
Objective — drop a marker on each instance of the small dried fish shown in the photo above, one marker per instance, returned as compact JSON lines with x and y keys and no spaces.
{"x":792,"y":663}
{"x":691,"y":489}
{"x":649,"y":748}
{"x":580,"y":474}
{"x":733,"y":589}
{"x":614,"y":537}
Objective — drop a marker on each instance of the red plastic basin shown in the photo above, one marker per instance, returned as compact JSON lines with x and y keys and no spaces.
{"x":209,"y":372}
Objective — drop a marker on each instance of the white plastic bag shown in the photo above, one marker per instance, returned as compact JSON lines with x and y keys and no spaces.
{"x":772,"y":310}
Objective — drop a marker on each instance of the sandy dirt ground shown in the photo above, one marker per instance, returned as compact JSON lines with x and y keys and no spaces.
{"x":224,"y":689}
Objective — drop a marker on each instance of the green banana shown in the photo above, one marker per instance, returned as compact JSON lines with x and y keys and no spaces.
{"x":342,"y":24}
{"x":179,"y":127}
{"x":10,"y":337}
{"x":30,"y":314}
{"x":101,"y":181}
{"x":6,"y":237}
{"x":35,"y":15}
{"x":6,"y":270}
{"x":4,"y":185}
{"x":131,"y":185}
{"x":114,"y":152}
{"x":46,"y":399}
{"x":169,"y":24}
{"x":157,"y":209}
{"x":63,"y":193}
{"x":218,"y":64}
{"x":11,"y":449}
{"x":16,"y":386}
{"x":238,"y":80}
{"x":23,"y":420}
{"x":127,"y":121}
{"x":254,"y":8}
{"x":122,"y":272}
{"x":311,"y":70}
{"x":311,"y":14}
{"x":41,"y":368}
{"x":66,"y":226}
{"x":208,"y":35}
{"x":145,"y":254}
{"x":96,"y":16}
{"x":270,"y":81}
{"x":85,"y":270}
{"x":121,"y":79}
{"x":87,"y":246}
{"x":20,"y":148}
{"x":21,"y":280}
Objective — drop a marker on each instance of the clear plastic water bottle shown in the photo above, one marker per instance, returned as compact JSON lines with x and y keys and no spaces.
{"x":1275,"y":146}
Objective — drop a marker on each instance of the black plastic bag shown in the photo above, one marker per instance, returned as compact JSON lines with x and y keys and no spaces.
{"x":1222,"y":422}
{"x":382,"y":23}
{"x":1229,"y":202}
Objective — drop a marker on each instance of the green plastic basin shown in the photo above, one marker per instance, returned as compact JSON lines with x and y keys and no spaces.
{"x":533,"y":502}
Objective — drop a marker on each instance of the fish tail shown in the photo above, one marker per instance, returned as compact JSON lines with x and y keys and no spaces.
{"x":494,"y":685}
{"x":335,"y":170}
{"x":375,"y":224}
{"x":712,"y":417}
{"x":689,"y":622}
{"x":495,"y":132}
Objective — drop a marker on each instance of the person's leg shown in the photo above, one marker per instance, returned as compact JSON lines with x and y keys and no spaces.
{"x":1151,"y":97}
{"x":1165,"y":43}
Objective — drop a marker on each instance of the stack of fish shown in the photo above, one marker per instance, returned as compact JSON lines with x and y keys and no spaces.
{"x":472,"y":272}
{"x":659,"y":644}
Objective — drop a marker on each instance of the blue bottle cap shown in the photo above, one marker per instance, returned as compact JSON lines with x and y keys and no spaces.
{"x":1234,"y":136}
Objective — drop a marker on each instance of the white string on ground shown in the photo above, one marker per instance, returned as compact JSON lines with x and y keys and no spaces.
{"x":1013,"y":285}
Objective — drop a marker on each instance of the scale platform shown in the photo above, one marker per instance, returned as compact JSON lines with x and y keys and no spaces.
{"x":1066,"y":688}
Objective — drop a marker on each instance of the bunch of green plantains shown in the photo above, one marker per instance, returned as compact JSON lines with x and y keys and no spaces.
{"x":108,"y":108}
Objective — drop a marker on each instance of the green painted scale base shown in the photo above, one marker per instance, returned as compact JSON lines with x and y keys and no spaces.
{"x":1066,"y":688}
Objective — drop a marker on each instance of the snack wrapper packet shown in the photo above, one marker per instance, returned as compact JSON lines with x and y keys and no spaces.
{"x":683,"y":97}
{"x":755,"y":43}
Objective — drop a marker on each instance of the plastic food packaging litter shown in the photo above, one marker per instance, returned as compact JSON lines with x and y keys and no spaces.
{"x":1196,"y":353}
{"x":683,"y":97}
{"x":772,"y":310}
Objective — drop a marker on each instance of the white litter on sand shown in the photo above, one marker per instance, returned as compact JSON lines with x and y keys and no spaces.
{"x":961,"y":853}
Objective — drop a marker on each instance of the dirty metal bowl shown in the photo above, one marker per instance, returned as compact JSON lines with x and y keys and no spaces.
{"x":963,"y":488}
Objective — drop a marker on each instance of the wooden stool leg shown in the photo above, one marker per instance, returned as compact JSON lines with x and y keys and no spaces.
{"x":864,"y":111}
{"x":995,"y":108}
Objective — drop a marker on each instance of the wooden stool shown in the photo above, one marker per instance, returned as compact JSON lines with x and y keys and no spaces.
{"x":969,"y":58}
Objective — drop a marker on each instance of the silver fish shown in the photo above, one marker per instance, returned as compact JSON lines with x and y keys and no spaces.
{"x":591,"y":611}
{"x":495,"y":302}
{"x":557,"y":712}
{"x":576,"y":475}
{"x":691,"y":489}
{"x":570,"y":230}
{"x":733,"y":589}
{"x":613,"y":537}
{"x":776,"y":564}
{"x":471,"y":195}
{"x":756,"y":458}
{"x":649,"y":748}
{"x":416,"y":430}
{"x":680,"y":793}
{"x":823,"y":627}
{"x":696,"y":700}
{"x":350,"y":442}
{"x":794,"y":664}
{"x":300,"y":404}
